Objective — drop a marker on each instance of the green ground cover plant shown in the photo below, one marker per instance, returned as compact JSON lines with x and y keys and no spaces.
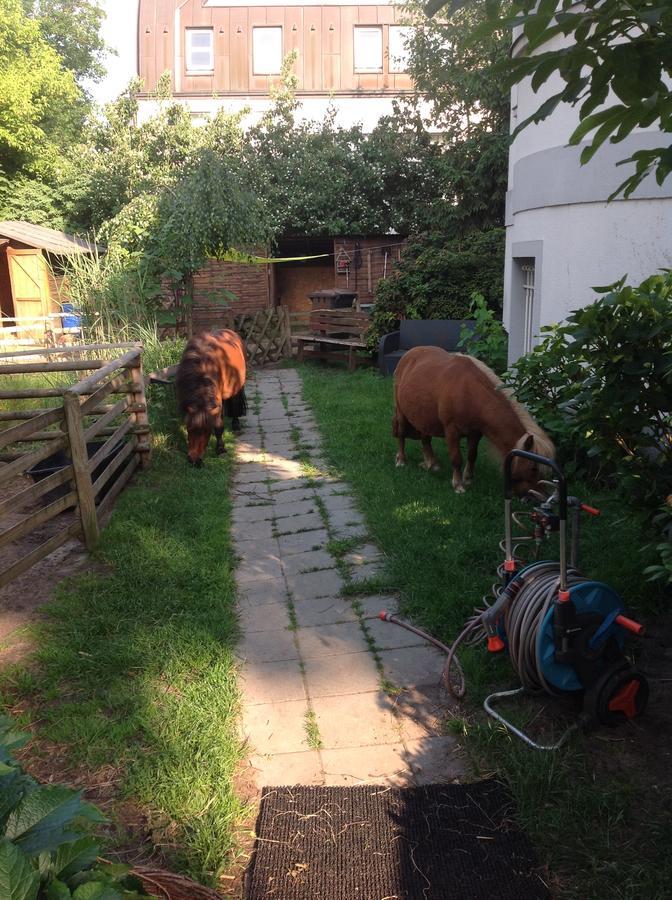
{"x":598,"y":829}
{"x":133,"y":670}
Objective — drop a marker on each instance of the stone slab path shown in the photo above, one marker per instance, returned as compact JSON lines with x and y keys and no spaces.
{"x":314,"y":656}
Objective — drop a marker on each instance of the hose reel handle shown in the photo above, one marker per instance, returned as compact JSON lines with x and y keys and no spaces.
{"x":542,"y":461}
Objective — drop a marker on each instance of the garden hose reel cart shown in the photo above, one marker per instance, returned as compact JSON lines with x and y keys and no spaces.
{"x":564,"y":634}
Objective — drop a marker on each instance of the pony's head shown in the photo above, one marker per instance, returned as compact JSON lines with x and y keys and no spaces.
{"x":525,"y":473}
{"x":200,"y":422}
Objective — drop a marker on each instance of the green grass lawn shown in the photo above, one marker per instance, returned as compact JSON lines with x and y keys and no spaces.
{"x":586,"y":817}
{"x":134,"y":669}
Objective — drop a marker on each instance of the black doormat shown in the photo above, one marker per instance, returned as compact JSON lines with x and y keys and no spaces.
{"x":438,"y":842}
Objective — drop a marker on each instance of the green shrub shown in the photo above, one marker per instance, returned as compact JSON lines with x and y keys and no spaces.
{"x":436,"y":278}
{"x":603,"y":383}
{"x":488,"y":341}
{"x":45,"y":849}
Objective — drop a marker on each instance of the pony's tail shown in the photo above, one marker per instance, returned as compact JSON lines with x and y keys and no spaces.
{"x":236,"y":406}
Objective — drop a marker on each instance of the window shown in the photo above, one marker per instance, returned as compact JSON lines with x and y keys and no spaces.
{"x":399,"y":55}
{"x":528,"y":306}
{"x":368,"y":48}
{"x":200,"y":50}
{"x":267,"y":50}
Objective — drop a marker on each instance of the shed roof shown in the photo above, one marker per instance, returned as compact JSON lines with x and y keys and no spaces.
{"x":57,"y":242}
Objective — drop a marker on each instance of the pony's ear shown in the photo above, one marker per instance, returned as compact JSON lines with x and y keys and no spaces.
{"x":528,"y":444}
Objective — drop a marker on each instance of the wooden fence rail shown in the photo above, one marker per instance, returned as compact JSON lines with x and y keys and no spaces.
{"x":88,"y":479}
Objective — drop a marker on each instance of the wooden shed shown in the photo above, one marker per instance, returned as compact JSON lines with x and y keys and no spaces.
{"x":31,"y":258}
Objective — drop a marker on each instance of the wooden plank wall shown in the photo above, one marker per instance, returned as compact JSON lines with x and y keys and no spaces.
{"x":373,"y":267}
{"x":323,"y":35}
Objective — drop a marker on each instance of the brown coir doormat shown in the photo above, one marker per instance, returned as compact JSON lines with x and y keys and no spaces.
{"x":438,"y":842}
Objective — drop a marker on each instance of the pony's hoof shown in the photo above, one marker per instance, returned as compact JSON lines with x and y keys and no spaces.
{"x":196,"y":463}
{"x":221,"y":451}
{"x":430,"y":467}
{"x":399,"y":462}
{"x":459,"y":489}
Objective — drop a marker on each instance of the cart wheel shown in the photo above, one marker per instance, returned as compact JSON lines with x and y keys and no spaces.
{"x":622,"y":695}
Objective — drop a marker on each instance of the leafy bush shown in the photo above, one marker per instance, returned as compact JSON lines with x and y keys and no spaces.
{"x":45,"y":851}
{"x":663,"y":523}
{"x":489,"y":341}
{"x":602,"y":383}
{"x":436,"y":278}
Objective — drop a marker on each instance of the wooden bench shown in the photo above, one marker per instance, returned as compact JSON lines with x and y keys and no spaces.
{"x":334,"y":334}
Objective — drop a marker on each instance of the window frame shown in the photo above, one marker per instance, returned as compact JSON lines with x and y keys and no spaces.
{"x":367,"y":70}
{"x":188,"y":50}
{"x":258,"y":28}
{"x":397,"y":28}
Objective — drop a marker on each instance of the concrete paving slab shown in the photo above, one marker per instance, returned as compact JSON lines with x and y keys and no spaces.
{"x":278,"y":488}
{"x":325,"y":611}
{"x":413,"y":666}
{"x":294,"y":495}
{"x":384,"y":765}
{"x":263,"y":568}
{"x":307,"y":562}
{"x":254,"y":531}
{"x":362,"y":720}
{"x":368,"y":553}
{"x":339,"y":518}
{"x":267,"y":646}
{"x":435,"y":759}
{"x":287,"y":768}
{"x":366,"y":572}
{"x":252,"y":549}
{"x":260,"y":593}
{"x":251,"y":473}
{"x":347,"y":532}
{"x":372,"y":605}
{"x":255,"y":513}
{"x":313,"y":585}
{"x":269,"y":617}
{"x":389,"y":636}
{"x":339,"y":502}
{"x":294,"y":524}
{"x":331,"y":640}
{"x":272,"y":682}
{"x":289,"y":508}
{"x":303,"y":541}
{"x":276,"y":727}
{"x":334,"y":488}
{"x":349,"y":673}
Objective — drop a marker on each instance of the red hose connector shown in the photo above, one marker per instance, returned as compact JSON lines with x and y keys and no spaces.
{"x":495,"y":644}
{"x":590,"y":510}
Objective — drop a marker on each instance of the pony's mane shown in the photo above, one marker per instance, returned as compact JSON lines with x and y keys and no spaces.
{"x":543,"y":445}
{"x":193,"y":383}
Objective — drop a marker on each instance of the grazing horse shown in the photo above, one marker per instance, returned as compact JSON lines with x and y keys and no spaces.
{"x":450,"y":395}
{"x":210,"y":383}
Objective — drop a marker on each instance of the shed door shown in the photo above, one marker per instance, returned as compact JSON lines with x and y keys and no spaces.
{"x":30,"y":290}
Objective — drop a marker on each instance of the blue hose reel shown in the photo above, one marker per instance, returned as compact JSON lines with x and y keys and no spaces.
{"x":565,"y":634}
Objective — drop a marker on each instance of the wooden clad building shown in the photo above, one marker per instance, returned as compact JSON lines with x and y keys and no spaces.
{"x":31,"y":288}
{"x":214,"y":47}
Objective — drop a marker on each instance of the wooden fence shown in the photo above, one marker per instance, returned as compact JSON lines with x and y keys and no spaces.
{"x":267,"y":334}
{"x":105,"y":410}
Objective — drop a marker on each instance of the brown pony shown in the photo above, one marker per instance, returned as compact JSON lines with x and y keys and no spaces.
{"x":210,"y":383}
{"x":450,"y":395}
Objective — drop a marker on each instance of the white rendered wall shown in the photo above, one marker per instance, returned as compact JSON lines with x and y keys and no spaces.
{"x":350,"y":110}
{"x":557,"y":214}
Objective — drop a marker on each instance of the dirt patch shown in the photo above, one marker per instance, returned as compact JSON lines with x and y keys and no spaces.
{"x":20,"y":601}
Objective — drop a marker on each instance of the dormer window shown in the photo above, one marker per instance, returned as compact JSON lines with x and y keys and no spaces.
{"x":200,"y":52}
{"x":368,"y":48}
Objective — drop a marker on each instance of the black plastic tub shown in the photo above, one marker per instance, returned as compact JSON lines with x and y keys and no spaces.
{"x":61,"y":460}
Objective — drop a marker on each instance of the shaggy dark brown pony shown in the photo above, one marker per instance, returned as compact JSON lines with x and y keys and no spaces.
{"x":210,"y":384}
{"x":450,"y":395}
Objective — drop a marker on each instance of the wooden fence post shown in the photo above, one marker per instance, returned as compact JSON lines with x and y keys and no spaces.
{"x":80,"y":467}
{"x":140,"y":417}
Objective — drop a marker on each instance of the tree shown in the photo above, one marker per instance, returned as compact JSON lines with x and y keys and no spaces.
{"x":38,"y":97}
{"x":616,"y":67}
{"x":72,"y":29}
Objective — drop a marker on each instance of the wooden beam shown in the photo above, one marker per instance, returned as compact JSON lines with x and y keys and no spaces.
{"x":34,"y":520}
{"x":26,"y":460}
{"x":85,"y":386}
{"x":25,"y":429}
{"x":35,"y":491}
{"x":80,"y":466}
{"x":69,"y":348}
